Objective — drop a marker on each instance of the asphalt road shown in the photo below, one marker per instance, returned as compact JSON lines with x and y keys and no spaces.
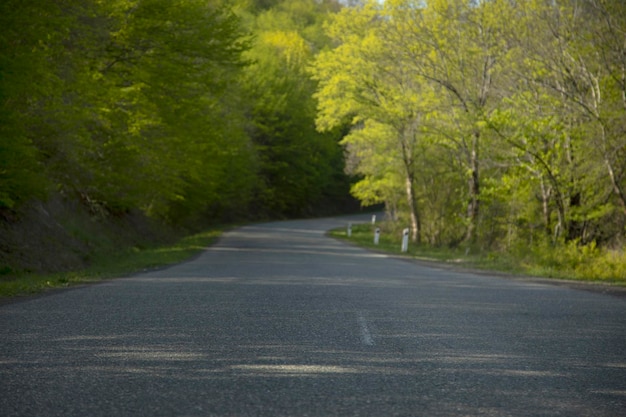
{"x":278,"y":320}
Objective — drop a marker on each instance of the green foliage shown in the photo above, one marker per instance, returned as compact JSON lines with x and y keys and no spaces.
{"x":569,"y":260}
{"x":152,"y":105}
{"x":573,"y":260}
{"x":167,"y":70}
{"x":193,"y":112}
{"x":20,"y":179}
{"x":490,"y":124}
{"x":29,"y":40}
{"x":517,"y":114}
{"x":125,"y":104}
{"x":299,"y":168}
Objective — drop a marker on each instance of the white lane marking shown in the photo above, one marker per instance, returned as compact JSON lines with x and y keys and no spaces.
{"x":366,"y":336}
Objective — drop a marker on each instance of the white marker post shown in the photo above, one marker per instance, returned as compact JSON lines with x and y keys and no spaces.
{"x":373,"y":219}
{"x":377,"y":236}
{"x":349,"y":229}
{"x":405,"y":240}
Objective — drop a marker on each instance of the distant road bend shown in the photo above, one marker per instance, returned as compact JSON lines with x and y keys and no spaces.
{"x":278,"y":320}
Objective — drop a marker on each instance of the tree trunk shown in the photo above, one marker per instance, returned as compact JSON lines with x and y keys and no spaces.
{"x":616,"y":186}
{"x":473,"y":208}
{"x":413,"y":212}
{"x":545,"y":205}
{"x":617,"y":189}
{"x":408,"y":149}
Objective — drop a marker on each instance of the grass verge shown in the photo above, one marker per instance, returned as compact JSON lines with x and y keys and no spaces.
{"x":104,"y":266}
{"x":566,"y":261}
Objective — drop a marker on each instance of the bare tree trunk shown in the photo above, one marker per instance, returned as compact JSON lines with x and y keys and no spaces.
{"x":473,"y":207}
{"x":408,"y":150}
{"x":545,"y":205}
{"x":416,"y":231}
{"x":616,"y":186}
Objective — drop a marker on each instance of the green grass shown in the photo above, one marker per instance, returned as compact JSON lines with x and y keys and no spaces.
{"x":105,"y":266}
{"x":390,"y":242}
{"x":565,"y":261}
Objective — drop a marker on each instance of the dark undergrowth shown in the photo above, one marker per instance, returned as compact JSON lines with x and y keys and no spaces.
{"x":61,"y":243}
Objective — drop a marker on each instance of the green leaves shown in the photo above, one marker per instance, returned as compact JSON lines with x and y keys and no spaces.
{"x":127,"y":107}
{"x":164,"y":106}
{"x":466,"y":116}
{"x":299,"y":167}
{"x":517,"y":99}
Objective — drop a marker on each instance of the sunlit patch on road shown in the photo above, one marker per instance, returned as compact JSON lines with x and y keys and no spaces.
{"x":295,"y":370}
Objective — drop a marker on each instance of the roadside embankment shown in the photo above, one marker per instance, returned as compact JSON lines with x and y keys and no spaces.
{"x":62,"y":242}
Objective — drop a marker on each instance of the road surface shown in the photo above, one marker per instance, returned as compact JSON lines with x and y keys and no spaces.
{"x":278,"y":320}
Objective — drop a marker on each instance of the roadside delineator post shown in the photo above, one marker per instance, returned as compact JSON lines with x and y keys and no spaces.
{"x":349,"y":229}
{"x":377,"y":236}
{"x":373,"y":219}
{"x":405,"y":240}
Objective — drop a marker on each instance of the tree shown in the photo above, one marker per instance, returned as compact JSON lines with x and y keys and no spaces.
{"x":168,"y":70}
{"x":134,"y":104}
{"x":457,"y":47}
{"x":363,"y":84}
{"x":29,"y":50}
{"x":299,"y":168}
{"x":564,"y":111}
{"x":435,"y":76}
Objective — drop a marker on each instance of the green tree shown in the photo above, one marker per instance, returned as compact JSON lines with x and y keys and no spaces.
{"x":127,"y":104}
{"x":362,"y":84}
{"x":429,"y":70}
{"x":30,"y":40}
{"x":167,"y":70}
{"x":299,"y":168}
{"x":457,"y":46}
{"x":565,"y":119}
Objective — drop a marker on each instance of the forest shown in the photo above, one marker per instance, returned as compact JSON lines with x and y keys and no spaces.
{"x":491,"y":124}
{"x":176,"y":108}
{"x":483,"y":124}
